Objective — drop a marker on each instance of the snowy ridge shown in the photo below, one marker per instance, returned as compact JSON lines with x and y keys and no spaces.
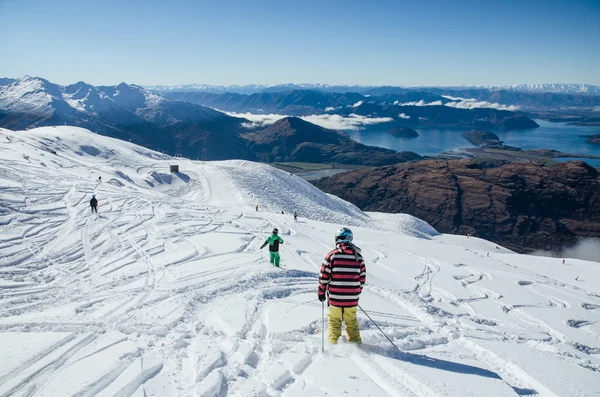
{"x":166,"y":292}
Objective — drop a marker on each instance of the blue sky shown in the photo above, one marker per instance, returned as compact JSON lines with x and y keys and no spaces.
{"x":269,"y":42}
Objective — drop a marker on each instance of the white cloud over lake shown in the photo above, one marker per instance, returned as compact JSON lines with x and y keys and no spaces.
{"x":461,"y":103}
{"x":332,"y":121}
{"x":419,"y":103}
{"x":470,"y":103}
{"x":403,"y":116}
{"x":256,"y":120}
{"x":352,"y":122}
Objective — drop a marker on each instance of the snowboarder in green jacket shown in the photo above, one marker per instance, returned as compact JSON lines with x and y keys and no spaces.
{"x":274,"y":240}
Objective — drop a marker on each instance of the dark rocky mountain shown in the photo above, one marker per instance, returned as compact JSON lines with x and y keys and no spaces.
{"x":293,"y":139}
{"x":294,"y":103}
{"x":403,"y":132}
{"x":523,"y":206}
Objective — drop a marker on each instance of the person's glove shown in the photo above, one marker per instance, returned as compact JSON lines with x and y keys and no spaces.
{"x":322,"y":298}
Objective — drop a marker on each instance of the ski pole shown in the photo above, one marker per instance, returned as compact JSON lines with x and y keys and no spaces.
{"x":322,"y":327}
{"x":363,"y":310}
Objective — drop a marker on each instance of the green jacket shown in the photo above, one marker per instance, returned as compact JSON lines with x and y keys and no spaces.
{"x":273,"y":241}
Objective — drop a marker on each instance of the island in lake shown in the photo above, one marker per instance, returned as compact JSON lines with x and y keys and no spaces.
{"x":593,"y":139}
{"x":403,"y":132}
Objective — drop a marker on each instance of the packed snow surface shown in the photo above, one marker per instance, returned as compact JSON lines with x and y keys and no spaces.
{"x":165,"y":292}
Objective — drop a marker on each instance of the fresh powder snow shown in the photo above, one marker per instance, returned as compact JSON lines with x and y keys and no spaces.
{"x":165,"y":292}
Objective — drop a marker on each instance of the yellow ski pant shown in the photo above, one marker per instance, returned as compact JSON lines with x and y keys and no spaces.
{"x":348,"y":314}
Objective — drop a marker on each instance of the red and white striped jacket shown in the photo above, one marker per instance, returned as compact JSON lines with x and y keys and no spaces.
{"x":343,"y":275}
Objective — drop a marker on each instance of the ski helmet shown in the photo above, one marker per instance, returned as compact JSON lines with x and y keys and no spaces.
{"x":344,"y":235}
{"x":275,"y":231}
{"x":93,"y":196}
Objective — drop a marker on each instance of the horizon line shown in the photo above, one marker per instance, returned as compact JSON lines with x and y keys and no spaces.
{"x":316,"y":83}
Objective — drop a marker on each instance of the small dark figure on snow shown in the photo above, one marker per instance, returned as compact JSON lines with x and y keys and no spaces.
{"x":94,"y":204}
{"x":273,"y":241}
{"x":99,"y":179}
{"x":295,"y":216}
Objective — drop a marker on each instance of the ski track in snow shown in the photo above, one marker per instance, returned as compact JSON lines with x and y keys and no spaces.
{"x":166,"y":292}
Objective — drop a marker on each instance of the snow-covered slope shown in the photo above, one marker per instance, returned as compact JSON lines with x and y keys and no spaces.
{"x":166,"y":292}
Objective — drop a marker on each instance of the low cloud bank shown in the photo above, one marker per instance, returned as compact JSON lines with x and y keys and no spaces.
{"x":256,"y":120}
{"x":352,"y":122}
{"x":332,"y":121}
{"x":586,"y":249}
{"x":470,"y":103}
{"x":461,"y":103}
{"x":419,"y":103}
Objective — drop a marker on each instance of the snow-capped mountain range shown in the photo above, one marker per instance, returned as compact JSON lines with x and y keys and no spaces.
{"x":79,"y":103}
{"x":166,"y":292}
{"x":257,"y":88}
{"x":124,"y":111}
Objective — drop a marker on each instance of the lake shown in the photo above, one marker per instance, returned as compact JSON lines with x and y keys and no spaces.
{"x":557,"y":136}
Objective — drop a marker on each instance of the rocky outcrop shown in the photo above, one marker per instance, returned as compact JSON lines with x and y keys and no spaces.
{"x":523,"y":206}
{"x":293,"y":139}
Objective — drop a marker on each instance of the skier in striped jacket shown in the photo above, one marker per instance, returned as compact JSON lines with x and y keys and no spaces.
{"x":342,"y":277}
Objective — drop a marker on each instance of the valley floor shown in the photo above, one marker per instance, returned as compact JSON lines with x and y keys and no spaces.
{"x":165,"y":292}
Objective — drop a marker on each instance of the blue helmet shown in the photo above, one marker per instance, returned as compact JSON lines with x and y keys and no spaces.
{"x":93,"y":196}
{"x":344,"y":235}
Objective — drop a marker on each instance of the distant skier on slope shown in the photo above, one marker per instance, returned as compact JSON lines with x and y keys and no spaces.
{"x":273,"y":241}
{"x":343,"y":275}
{"x":295,"y":216}
{"x":94,"y":204}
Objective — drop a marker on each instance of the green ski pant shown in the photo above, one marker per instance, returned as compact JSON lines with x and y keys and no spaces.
{"x":274,"y":258}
